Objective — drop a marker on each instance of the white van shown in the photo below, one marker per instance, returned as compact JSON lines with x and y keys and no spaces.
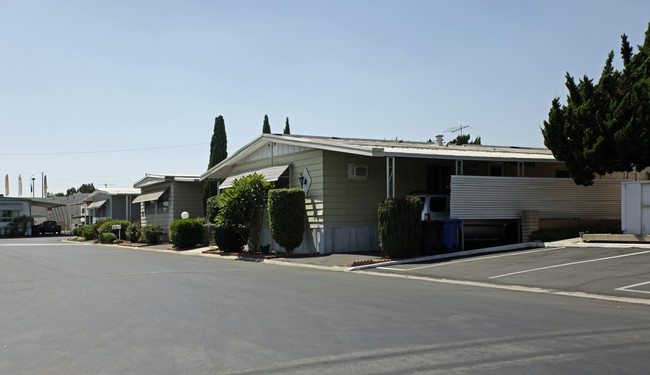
{"x":436,"y":206}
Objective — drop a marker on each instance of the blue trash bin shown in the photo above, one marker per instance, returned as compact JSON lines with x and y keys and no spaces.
{"x":449,"y":233}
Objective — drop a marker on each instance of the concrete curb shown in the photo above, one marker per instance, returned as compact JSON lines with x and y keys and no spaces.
{"x":458,"y":254}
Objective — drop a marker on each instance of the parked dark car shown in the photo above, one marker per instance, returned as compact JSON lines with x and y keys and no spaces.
{"x":48,"y":226}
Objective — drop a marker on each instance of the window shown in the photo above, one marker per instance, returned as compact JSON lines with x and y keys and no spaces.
{"x":162,"y":204}
{"x":149,"y":207}
{"x":8,"y":215}
{"x":357,"y":172}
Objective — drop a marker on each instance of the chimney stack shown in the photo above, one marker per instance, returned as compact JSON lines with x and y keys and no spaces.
{"x":439,"y":139}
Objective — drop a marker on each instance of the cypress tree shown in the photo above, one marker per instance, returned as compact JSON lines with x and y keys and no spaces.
{"x":286,"y":128}
{"x":266,"y":128}
{"x":218,"y":152}
{"x":605,"y":126}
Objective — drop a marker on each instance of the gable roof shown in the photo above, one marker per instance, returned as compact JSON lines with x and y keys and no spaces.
{"x":112,"y":191}
{"x":152,"y":179}
{"x":384,"y":148}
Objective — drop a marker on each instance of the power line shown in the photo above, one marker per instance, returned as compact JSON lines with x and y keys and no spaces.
{"x":98,"y":152}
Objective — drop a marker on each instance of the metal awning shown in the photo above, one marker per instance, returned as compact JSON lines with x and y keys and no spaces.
{"x":97,"y":204}
{"x":149,"y":196}
{"x":270,"y":174}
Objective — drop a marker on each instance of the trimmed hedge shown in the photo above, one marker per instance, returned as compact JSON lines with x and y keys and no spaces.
{"x":107,"y":237}
{"x":287,"y":217}
{"x":151,"y":234}
{"x":186,"y":233}
{"x":400,"y":227}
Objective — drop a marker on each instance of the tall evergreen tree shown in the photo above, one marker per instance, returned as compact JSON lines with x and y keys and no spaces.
{"x":286,"y":128}
{"x":219,"y":143}
{"x":218,"y":152}
{"x":604,"y":127}
{"x":266,"y":128}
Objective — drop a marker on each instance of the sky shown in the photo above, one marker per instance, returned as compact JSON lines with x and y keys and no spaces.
{"x":105,"y":92}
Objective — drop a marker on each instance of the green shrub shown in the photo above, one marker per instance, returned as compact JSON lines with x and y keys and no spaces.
{"x":186,"y":233}
{"x":238,"y":203}
{"x":107,"y":237}
{"x":212,"y":208}
{"x":287,"y":217}
{"x":105,"y":227}
{"x":89,"y":233}
{"x":133,"y":232}
{"x":400,"y":227}
{"x":151,"y":234}
{"x":227,"y":239}
{"x":78,"y":231}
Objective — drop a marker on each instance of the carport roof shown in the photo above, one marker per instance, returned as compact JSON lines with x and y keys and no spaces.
{"x":384,"y":148}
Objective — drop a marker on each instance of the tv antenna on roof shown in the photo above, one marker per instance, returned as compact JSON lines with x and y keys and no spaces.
{"x":107,"y":185}
{"x":459,"y":128}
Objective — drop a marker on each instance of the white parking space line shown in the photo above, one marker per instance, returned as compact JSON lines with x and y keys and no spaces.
{"x":473,"y":259}
{"x":629,"y":288}
{"x":569,"y":264}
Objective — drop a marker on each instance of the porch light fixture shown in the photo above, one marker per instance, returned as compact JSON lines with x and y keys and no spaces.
{"x":302,"y":180}
{"x":185,"y":215}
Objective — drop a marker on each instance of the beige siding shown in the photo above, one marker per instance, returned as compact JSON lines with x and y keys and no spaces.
{"x":350,"y":201}
{"x":313,"y":161}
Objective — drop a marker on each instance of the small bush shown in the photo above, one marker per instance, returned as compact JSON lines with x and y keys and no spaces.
{"x":400,"y":227}
{"x":89,"y":233}
{"x":133,"y":232}
{"x":106,"y":227}
{"x":77,"y":231}
{"x":287,"y":217}
{"x":227,"y":239}
{"x":151,"y":234}
{"x":186,"y":233}
{"x":107,"y":237}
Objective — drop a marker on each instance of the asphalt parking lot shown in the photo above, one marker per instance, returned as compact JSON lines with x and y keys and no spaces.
{"x":611,"y":271}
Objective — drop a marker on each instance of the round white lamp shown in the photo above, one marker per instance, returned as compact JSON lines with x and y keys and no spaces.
{"x":83,"y":220}
{"x":184,"y":215}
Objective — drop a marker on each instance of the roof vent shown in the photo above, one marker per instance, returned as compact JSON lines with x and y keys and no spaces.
{"x":439,"y":140}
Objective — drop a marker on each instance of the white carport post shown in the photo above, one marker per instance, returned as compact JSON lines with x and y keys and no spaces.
{"x":390,"y":177}
{"x":459,"y":167}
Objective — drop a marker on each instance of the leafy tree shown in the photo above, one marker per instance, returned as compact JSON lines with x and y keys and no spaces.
{"x":464,"y":140}
{"x":286,"y":128}
{"x":86,"y":188}
{"x":70,"y":191}
{"x":240,"y":204}
{"x":604,"y":127}
{"x":266,"y":128}
{"x":218,"y":152}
